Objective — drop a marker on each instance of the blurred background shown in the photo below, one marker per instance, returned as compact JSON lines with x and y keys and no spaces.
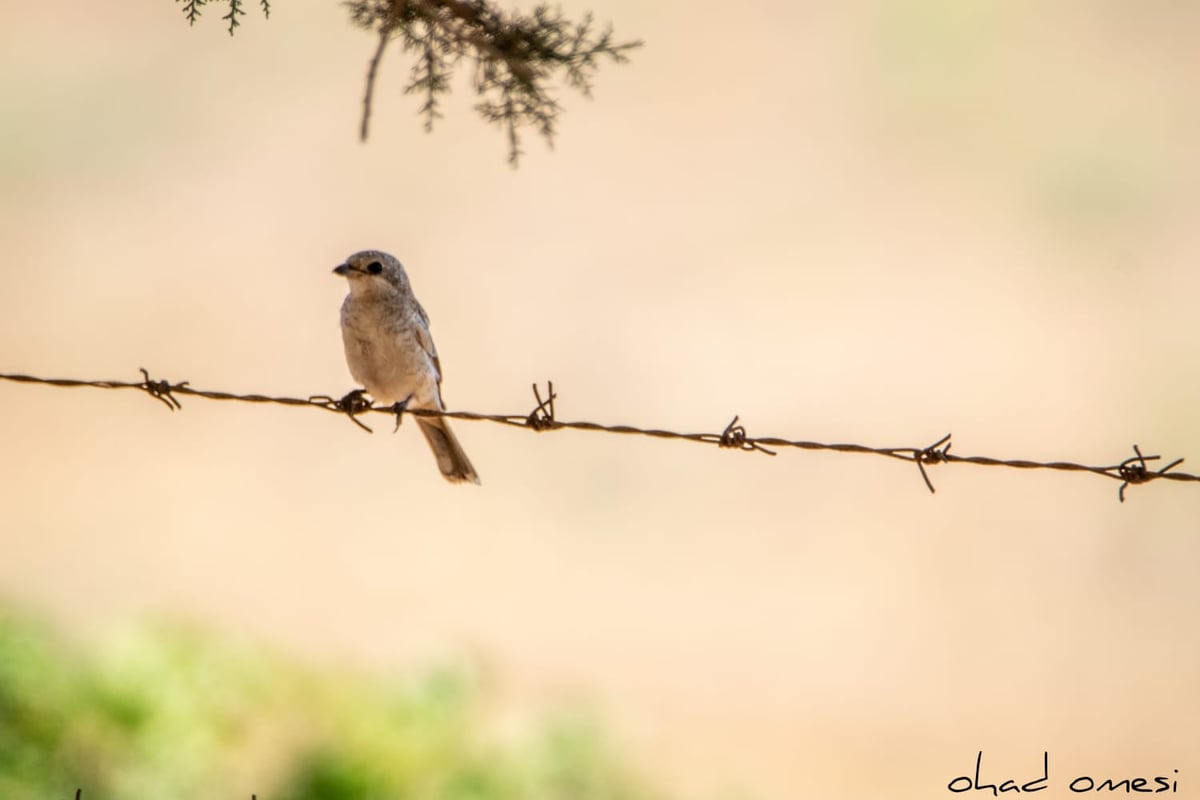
{"x":875,"y":222}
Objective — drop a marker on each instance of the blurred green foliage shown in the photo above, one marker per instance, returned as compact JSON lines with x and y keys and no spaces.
{"x":169,"y":714}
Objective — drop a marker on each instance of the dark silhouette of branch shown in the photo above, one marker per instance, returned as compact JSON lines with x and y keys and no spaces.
{"x":191,"y":10}
{"x":514,"y":57}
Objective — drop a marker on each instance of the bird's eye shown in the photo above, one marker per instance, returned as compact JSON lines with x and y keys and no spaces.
{"x":374,"y":268}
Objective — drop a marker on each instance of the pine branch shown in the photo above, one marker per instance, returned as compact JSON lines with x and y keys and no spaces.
{"x":515,"y":57}
{"x":191,"y":10}
{"x":235,"y":10}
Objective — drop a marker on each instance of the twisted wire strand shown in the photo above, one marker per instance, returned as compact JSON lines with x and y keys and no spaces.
{"x":1132,"y":471}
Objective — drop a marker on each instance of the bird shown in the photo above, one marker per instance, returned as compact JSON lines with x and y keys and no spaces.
{"x":390,"y":351}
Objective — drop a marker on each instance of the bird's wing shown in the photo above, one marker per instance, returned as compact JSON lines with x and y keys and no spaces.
{"x":420,"y":312}
{"x":426,"y":341}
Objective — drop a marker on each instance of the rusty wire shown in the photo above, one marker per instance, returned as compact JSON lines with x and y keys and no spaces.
{"x":1131,"y":471}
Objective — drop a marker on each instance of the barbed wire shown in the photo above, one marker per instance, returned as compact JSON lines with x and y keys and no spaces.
{"x":1132,"y":471}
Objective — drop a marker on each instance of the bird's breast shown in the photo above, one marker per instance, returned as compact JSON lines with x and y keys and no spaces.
{"x":385,"y":356}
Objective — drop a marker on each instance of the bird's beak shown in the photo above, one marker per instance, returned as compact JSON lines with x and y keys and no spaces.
{"x":342,"y":269}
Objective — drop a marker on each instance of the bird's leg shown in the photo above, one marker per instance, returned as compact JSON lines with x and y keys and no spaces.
{"x":398,"y":409}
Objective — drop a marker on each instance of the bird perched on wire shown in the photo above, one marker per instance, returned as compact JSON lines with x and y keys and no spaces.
{"x":390,"y":352}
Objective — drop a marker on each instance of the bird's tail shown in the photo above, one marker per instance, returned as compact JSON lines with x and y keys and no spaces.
{"x":451,"y":458}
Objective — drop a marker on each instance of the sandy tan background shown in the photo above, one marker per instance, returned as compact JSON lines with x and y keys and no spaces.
{"x":871,"y":221}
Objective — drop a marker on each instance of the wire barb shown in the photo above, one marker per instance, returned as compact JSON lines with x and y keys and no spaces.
{"x":1133,"y":470}
{"x":352,"y":404}
{"x":161,"y":390}
{"x":932,"y":455}
{"x":734,"y":436}
{"x":542,"y":416}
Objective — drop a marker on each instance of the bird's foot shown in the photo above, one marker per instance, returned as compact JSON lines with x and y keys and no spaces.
{"x":398,"y":409}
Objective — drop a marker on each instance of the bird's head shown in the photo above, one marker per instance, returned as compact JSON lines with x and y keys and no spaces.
{"x":372,"y":271}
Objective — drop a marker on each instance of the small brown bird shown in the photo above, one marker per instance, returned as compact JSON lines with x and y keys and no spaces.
{"x":390,"y":352}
